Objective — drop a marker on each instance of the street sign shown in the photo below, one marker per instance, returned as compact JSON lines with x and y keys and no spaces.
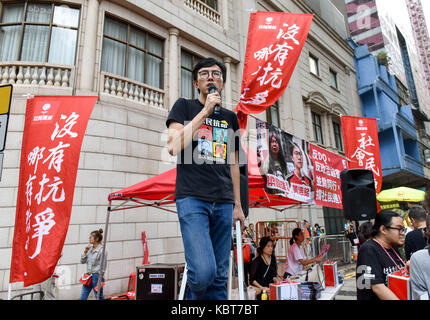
{"x":5,"y":101}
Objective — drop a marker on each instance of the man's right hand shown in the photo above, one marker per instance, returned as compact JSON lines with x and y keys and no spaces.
{"x":212,"y":99}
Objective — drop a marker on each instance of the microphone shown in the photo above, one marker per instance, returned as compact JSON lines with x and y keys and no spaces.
{"x":212,"y":89}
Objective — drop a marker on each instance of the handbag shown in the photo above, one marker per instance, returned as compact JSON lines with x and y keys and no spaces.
{"x":86,"y":279}
{"x":246,"y":249}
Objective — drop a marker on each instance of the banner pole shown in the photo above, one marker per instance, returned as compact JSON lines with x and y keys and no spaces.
{"x":9,"y":291}
{"x":102,"y":271}
{"x":312,"y":232}
{"x":240,"y":276}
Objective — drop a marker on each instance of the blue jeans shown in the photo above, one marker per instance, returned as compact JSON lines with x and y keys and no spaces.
{"x":87,"y":289}
{"x":206,"y":233}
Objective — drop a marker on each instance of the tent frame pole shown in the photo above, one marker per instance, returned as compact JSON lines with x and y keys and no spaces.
{"x":102,"y":271}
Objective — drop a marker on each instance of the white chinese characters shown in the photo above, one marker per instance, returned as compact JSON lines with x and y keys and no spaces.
{"x":44,"y":186}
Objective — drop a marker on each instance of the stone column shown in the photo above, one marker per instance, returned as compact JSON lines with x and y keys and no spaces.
{"x":89,"y":42}
{"x":224,"y":13}
{"x":227,"y":88}
{"x":174,"y":56}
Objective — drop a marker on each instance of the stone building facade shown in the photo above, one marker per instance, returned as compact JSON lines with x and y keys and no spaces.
{"x":136,"y":57}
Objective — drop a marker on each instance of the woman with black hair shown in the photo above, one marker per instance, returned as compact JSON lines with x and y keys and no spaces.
{"x":275,"y":163}
{"x":264,"y":269}
{"x":296,"y":255}
{"x":420,"y":269}
{"x":379,"y":256}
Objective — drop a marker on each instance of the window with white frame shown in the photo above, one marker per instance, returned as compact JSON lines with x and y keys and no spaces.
{"x":313,"y":65}
{"x":317,"y":127}
{"x":333,"y":79}
{"x":42,"y":32}
{"x":338,"y":136}
{"x":272,"y":114}
{"x":132,"y":53}
{"x":188,"y":61}
{"x":211,"y":3}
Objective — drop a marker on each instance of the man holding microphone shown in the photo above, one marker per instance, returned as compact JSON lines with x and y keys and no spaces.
{"x":208,"y":183}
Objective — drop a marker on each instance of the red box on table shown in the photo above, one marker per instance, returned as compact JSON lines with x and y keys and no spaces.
{"x":330,"y":274}
{"x":399,"y":282}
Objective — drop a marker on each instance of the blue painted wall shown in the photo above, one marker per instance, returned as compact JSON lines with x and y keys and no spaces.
{"x":378,"y":96}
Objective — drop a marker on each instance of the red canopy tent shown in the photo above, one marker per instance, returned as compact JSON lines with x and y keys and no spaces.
{"x":159,"y":191}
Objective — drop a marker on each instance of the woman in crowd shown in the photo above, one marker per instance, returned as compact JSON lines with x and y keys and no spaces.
{"x":379,"y":256}
{"x":92,"y":256}
{"x":364,"y":232}
{"x":296,"y":255}
{"x":420,"y":269}
{"x":264,"y":269}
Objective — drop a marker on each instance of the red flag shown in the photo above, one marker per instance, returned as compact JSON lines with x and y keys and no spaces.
{"x":145,"y":249}
{"x":275,"y":41}
{"x":360,"y":137}
{"x":53,"y":133}
{"x":327,"y":169}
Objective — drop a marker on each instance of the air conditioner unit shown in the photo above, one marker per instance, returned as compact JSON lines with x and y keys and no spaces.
{"x":422,"y":133}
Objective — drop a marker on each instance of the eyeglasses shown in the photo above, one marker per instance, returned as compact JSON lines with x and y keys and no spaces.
{"x":205,"y":74}
{"x":401,"y":230}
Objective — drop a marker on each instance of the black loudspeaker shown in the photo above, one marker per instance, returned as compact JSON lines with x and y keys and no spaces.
{"x":158,"y":281}
{"x":358,"y":194}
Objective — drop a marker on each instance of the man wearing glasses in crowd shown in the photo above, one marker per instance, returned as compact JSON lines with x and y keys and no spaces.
{"x":208,"y":183}
{"x":379,"y":257}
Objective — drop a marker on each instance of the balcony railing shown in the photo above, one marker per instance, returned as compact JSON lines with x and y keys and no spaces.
{"x":132,"y":90}
{"x":36,"y":73}
{"x":204,"y":10}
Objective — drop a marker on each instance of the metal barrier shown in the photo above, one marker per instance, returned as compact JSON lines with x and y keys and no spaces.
{"x":31,"y":294}
{"x":278,"y":230}
{"x":340,"y":247}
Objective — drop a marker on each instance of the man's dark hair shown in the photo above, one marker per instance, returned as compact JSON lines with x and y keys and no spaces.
{"x":383,"y":218}
{"x":364,"y":232}
{"x":209,"y":62}
{"x":417,"y":213}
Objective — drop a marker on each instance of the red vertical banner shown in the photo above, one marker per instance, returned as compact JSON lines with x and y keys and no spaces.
{"x":360,"y":137}
{"x":275,"y":41}
{"x":327,"y":169}
{"x":53,"y":133}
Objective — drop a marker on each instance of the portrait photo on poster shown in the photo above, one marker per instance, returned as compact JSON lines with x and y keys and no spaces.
{"x":285,"y":163}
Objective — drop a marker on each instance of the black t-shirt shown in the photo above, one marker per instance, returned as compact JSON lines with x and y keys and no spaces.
{"x":203,"y":167}
{"x":414,"y":241}
{"x":373,"y":267}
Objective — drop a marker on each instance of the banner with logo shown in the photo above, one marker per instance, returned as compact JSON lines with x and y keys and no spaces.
{"x":275,"y":41}
{"x":327,"y":169}
{"x":284,"y":161}
{"x":361,"y":142}
{"x":53,"y":133}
